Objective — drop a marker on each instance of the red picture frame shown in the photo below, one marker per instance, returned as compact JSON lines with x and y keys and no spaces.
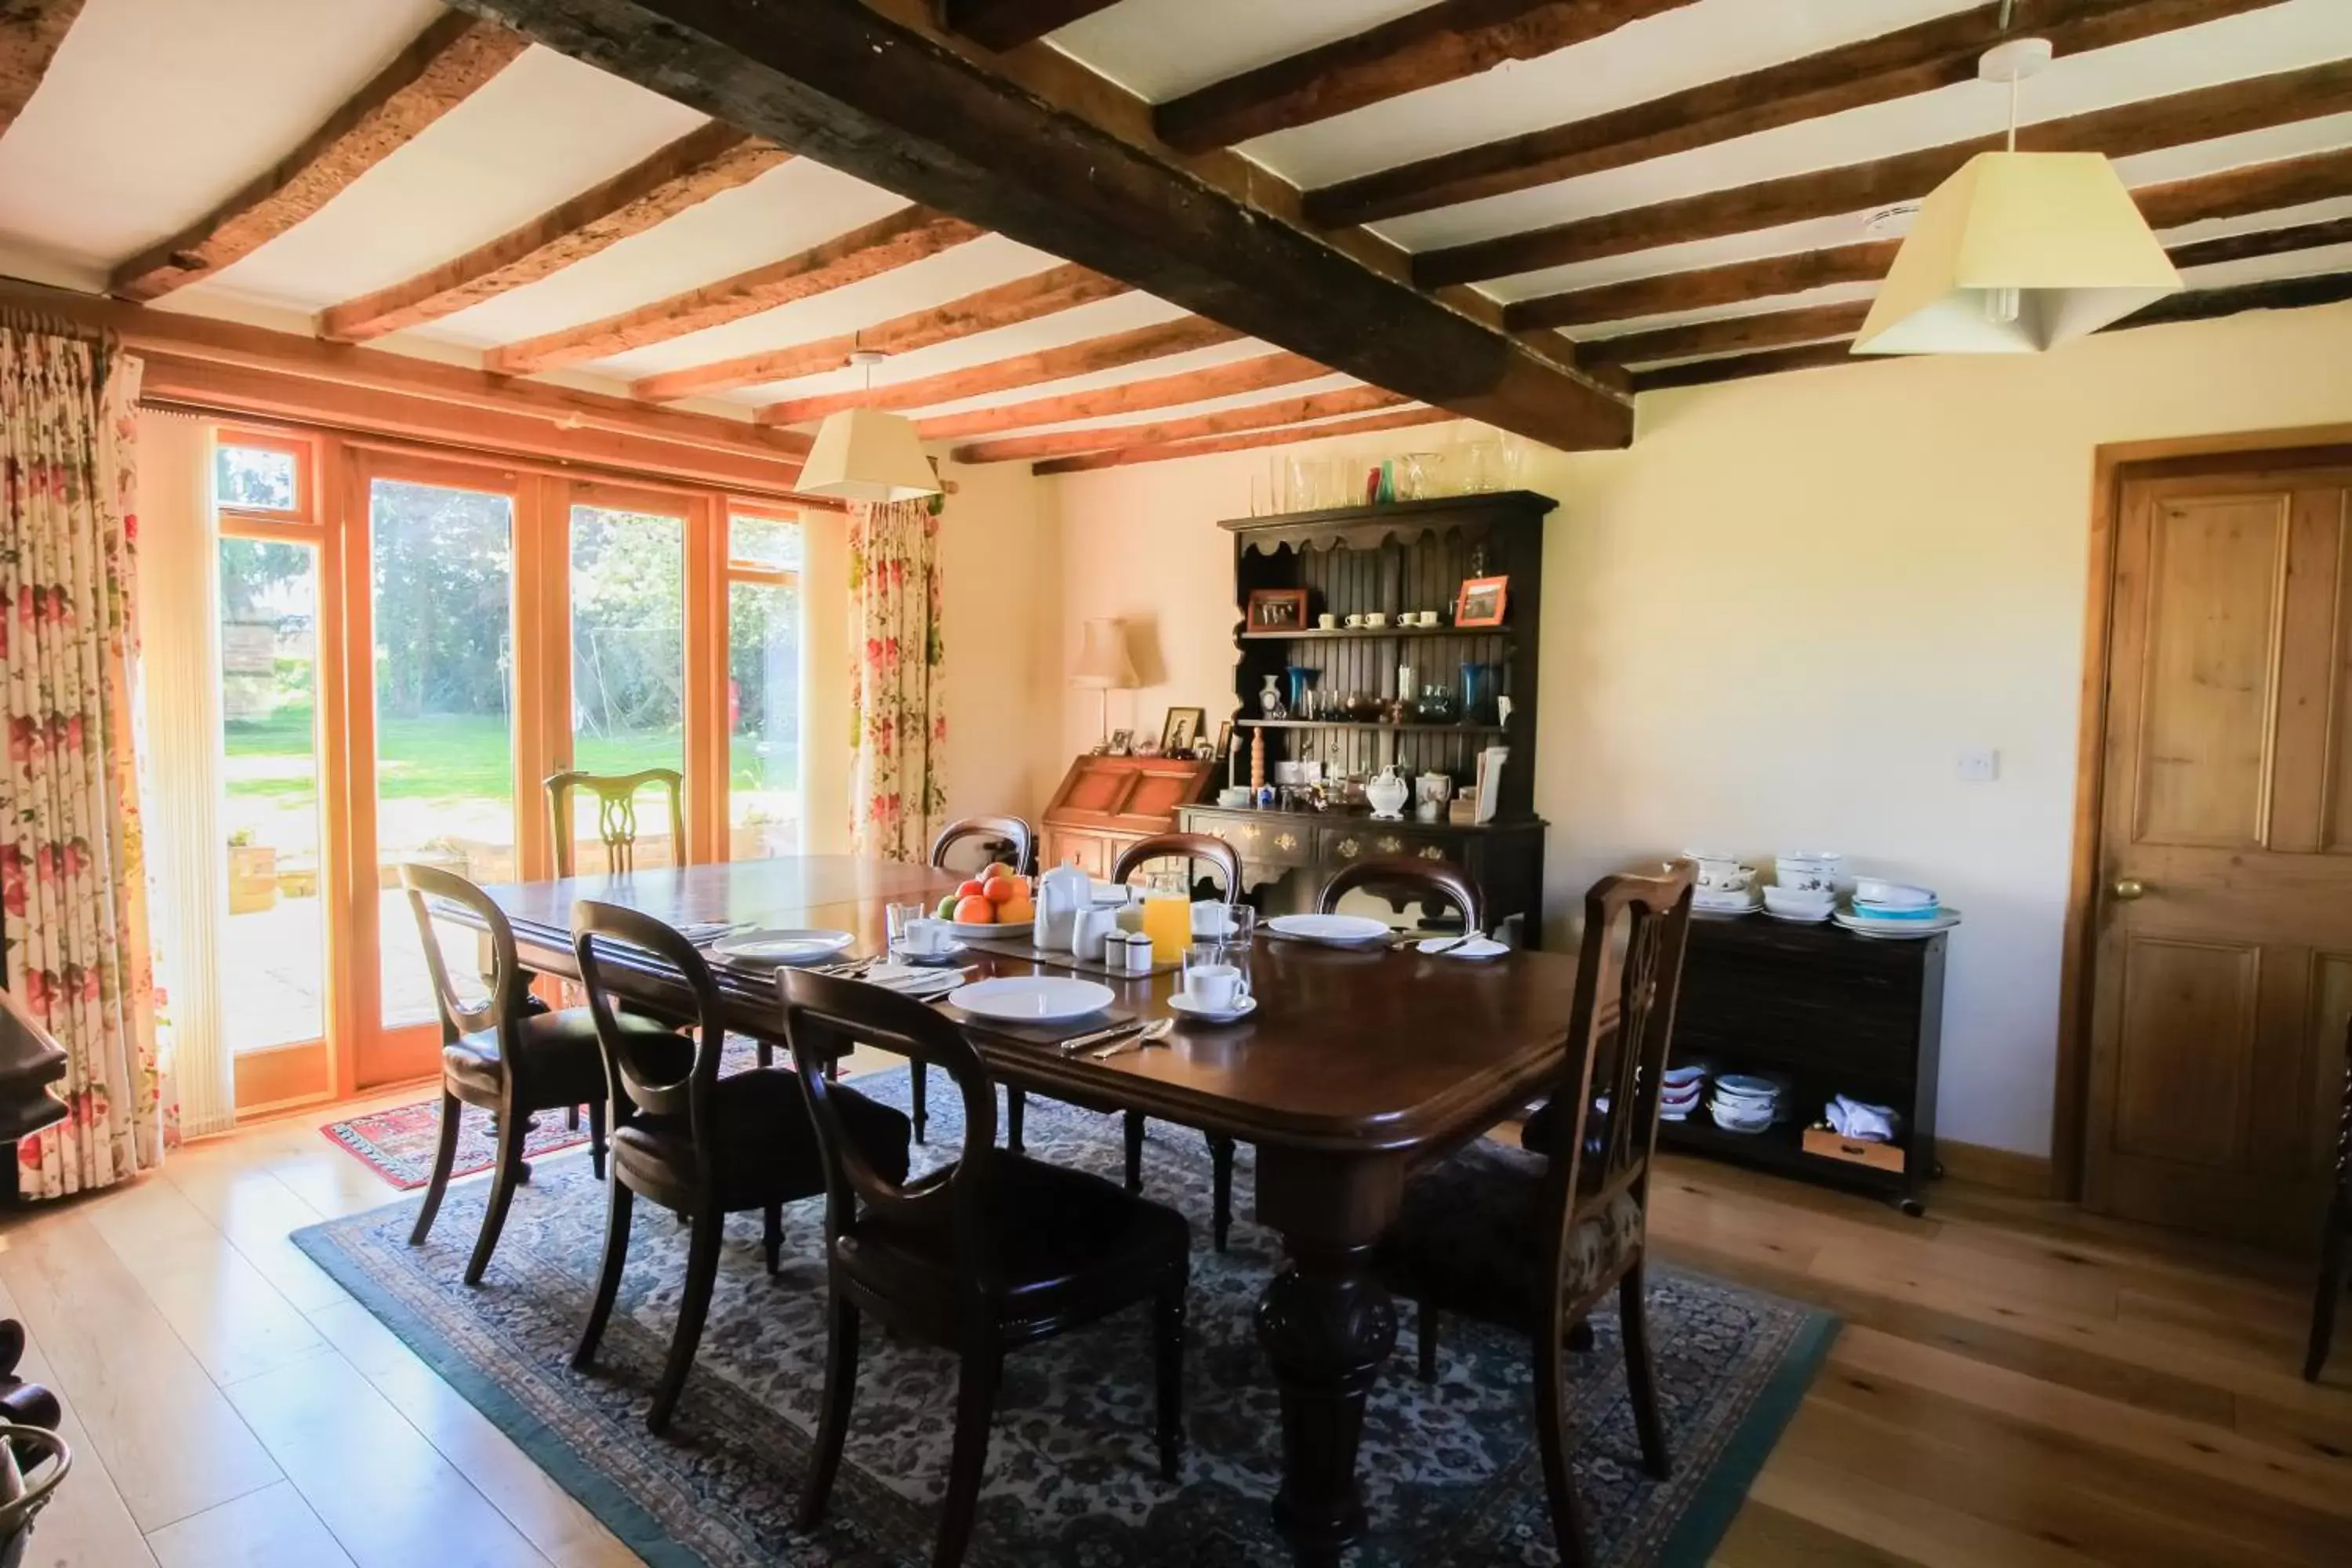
{"x":1481,"y":602}
{"x":1278,"y":610}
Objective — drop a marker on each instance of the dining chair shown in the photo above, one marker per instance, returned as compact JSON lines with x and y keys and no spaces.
{"x":1016,"y":832}
{"x":2333,"y":1239}
{"x":990,"y":1253}
{"x":1409,"y":876}
{"x":499,"y":1053}
{"x":1533,"y":1238}
{"x":698,"y":1144}
{"x":1220,"y":858}
{"x":616,"y":815}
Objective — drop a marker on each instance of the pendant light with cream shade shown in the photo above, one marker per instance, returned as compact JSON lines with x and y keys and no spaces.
{"x":867,"y":454}
{"x":2018,"y":252}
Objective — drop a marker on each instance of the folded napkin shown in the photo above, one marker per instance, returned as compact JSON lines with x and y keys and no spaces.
{"x":924,"y":984}
{"x":1868,"y":1123}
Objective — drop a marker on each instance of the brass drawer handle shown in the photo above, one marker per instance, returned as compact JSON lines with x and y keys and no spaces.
{"x":1286,"y":841}
{"x":1389,"y":844}
{"x":1431,"y":852}
{"x":1350,"y":848}
{"x":1248,"y":832}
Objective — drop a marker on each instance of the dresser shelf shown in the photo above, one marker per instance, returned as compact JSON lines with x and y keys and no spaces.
{"x":1366,"y":634}
{"x":1370,"y":725}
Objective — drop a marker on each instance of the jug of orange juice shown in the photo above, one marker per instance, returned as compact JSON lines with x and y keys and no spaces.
{"x":1168,"y":915}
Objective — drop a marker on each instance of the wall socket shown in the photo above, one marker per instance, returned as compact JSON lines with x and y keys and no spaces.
{"x":1979,"y":765}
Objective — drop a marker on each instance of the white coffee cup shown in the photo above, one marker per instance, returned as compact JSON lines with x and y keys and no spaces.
{"x":928,"y":936}
{"x":1355,"y":620}
{"x":1326,"y":622}
{"x":1216,"y":987}
{"x":1377,"y":618}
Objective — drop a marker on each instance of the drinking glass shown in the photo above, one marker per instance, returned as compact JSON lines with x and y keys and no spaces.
{"x":900,"y":920}
{"x":1217,"y":976}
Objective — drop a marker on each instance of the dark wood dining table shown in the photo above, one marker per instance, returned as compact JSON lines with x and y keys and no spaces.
{"x":1356,"y":1067}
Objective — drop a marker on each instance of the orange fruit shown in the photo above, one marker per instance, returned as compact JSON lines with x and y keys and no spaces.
{"x":975,"y":912}
{"x":972,"y":890}
{"x":995,"y":870}
{"x":1003,"y":891}
{"x":1018,"y":911}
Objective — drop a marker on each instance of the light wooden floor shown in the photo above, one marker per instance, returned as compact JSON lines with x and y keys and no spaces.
{"x":2015,"y":1385}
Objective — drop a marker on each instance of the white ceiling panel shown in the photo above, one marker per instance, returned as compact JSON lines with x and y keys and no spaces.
{"x":1069,"y":386}
{"x":155,"y":112}
{"x":1160,"y":49}
{"x":1181,"y":410}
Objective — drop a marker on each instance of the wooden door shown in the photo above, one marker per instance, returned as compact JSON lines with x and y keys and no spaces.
{"x":2224,"y":936}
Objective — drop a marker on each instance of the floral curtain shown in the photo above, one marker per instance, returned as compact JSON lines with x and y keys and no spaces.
{"x":73,"y":895}
{"x":897,"y":712}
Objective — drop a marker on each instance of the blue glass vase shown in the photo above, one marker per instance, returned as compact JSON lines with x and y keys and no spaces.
{"x":1478,"y":693}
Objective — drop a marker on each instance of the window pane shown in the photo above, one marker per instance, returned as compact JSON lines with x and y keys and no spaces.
{"x":260,"y":479}
{"x":763,"y":541}
{"x":629,"y":664}
{"x":444,"y":731}
{"x":764,"y":719}
{"x":273,"y":950}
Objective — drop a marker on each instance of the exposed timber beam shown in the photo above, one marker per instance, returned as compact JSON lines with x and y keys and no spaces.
{"x":2233,"y":193}
{"x":1736,"y":335}
{"x":1121,"y":457}
{"x":1227,"y":422}
{"x":1046,"y":293}
{"x":30,"y":32}
{"x":1006,"y":24}
{"x":1112,"y":351}
{"x":689,"y":171}
{"x":1230,"y":380}
{"x":886,"y":101}
{"x":2191,"y":305}
{"x":1922,"y":58}
{"x":906,"y":235}
{"x":2249,"y":104}
{"x":1436,"y":44}
{"x":454,"y":56}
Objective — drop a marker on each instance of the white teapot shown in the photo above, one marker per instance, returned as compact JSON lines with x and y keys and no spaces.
{"x":1388,"y":795}
{"x":1063,"y":894}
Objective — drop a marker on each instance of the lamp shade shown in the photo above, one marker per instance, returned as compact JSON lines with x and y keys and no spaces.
{"x":1103,"y":661}
{"x":2018,"y":252}
{"x":864,"y":454}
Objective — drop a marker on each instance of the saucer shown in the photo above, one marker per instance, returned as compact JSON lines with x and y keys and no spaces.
{"x":1191,"y":1009}
{"x":1481,"y":947}
{"x":935,"y":956}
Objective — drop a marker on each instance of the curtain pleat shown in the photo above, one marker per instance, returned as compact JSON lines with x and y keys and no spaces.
{"x":898,"y":708}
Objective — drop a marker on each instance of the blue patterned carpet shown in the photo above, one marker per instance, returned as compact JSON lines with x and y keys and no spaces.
{"x":1450,"y":1471}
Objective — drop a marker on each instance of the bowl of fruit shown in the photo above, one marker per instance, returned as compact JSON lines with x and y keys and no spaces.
{"x":994,"y":903}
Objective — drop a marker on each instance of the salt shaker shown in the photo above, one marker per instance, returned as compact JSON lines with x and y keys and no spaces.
{"x":1134,"y":952}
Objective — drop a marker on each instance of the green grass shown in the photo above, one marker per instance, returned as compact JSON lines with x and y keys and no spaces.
{"x":456,"y":756}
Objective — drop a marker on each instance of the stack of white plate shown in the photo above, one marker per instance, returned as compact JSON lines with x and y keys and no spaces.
{"x":1739,"y":901}
{"x":1742,"y":1102}
{"x":1678,"y":1096}
{"x":1899,"y":909}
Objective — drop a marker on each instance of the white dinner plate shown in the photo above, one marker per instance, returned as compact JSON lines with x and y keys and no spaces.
{"x":1191,"y":1009}
{"x":1481,"y":947}
{"x":774,"y":948}
{"x":1031,"y":998}
{"x":1345,"y":931}
{"x":1812,"y":918}
{"x":1899,"y":930}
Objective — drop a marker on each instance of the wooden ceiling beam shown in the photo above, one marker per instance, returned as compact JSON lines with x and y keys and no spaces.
{"x":1121,"y":456}
{"x":1439,"y":43}
{"x":1046,"y":293}
{"x":1922,"y":58}
{"x":1231,"y":380}
{"x":30,"y":32}
{"x":1183,"y":335}
{"x":2233,"y":193}
{"x":2191,"y":305}
{"x":1156,"y":433}
{"x":907,"y":236}
{"x":446,"y":64}
{"x":687,"y":173}
{"x":1734,"y":334}
{"x":1032,"y":146}
{"x":2248,"y":104}
{"x":1008,"y":24}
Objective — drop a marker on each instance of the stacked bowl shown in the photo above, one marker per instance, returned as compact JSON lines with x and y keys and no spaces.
{"x":1743,"y":1102}
{"x":1678,"y":1093}
{"x":1885,"y":909}
{"x":1805,"y":886}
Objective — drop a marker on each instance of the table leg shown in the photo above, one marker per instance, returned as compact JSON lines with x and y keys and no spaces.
{"x":1328,"y":1326}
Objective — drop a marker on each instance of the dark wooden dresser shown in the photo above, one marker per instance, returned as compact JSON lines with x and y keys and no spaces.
{"x":1831,"y":1013}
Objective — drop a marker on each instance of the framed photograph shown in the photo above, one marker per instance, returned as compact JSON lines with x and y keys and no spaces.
{"x":1122,"y":743}
{"x":1224,"y":741}
{"x":1278,"y":609}
{"x":1182,"y":727}
{"x":1482,"y":602}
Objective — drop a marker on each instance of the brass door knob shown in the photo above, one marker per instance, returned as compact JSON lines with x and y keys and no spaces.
{"x":2126,"y":890}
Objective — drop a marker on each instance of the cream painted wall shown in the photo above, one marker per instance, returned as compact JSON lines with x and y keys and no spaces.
{"x":1777,"y":620}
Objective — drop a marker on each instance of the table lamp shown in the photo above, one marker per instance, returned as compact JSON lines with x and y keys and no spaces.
{"x":1104,"y":665}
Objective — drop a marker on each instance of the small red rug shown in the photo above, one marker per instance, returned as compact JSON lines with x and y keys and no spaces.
{"x":398,"y":1143}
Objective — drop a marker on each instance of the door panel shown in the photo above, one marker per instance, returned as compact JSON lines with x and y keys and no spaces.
{"x":2223,"y":924}
{"x":2213,"y":581}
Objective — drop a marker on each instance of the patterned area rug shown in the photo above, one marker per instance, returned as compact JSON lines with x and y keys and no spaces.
{"x":397,"y":1144}
{"x":1451,"y":1472}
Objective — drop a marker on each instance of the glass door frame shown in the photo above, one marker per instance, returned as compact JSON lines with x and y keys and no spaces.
{"x":731,"y":572}
{"x":301,"y":1070}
